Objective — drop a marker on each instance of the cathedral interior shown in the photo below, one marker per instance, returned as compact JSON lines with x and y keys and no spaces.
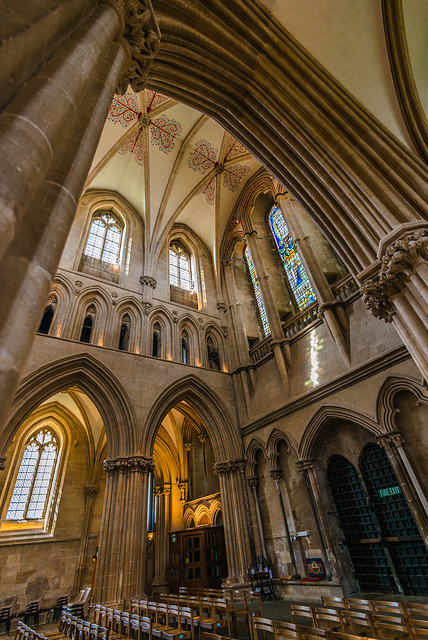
{"x":214,"y":311}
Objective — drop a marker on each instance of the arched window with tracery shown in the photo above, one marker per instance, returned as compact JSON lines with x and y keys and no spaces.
{"x":213,"y":354}
{"x":34,"y":481}
{"x":101,"y":255}
{"x":88,"y":325}
{"x":48,"y":315}
{"x":180,"y":276}
{"x":257,"y":292}
{"x":296,"y":274}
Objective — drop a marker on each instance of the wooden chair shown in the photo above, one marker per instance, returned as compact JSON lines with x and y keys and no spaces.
{"x":159,"y":623}
{"x":61,"y":601}
{"x":312,"y":633}
{"x":347,"y":636}
{"x":265,"y":625}
{"x":333,"y":602}
{"x":286,"y":630}
{"x":301,"y":611}
{"x":328,"y":619}
{"x":80,"y":606}
{"x":416,"y":610}
{"x":33,"y":610}
{"x":207,"y":635}
{"x":7,"y":610}
{"x":388,"y":608}
{"x":391,"y":626}
{"x":245,"y":605}
{"x":358,"y":604}
{"x":418,"y":627}
{"x":357,"y":623}
{"x":211,"y":616}
{"x":180,"y":615}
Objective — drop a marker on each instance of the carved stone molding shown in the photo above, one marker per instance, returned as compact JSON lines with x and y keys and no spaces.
{"x":276,"y":475}
{"x":253,"y":482}
{"x":143,"y":38}
{"x":224,"y":468}
{"x":399,"y":261}
{"x":2,"y":464}
{"x":305,"y":465}
{"x":91,"y":490}
{"x":202,"y":438}
{"x":133,"y":463}
{"x":283,"y":196}
{"x":148,"y":281}
{"x":187,"y":446}
{"x":390,"y":440}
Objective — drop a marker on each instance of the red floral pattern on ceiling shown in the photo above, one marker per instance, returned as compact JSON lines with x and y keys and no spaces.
{"x":233,"y":149}
{"x":232,"y":175}
{"x":124,"y":109}
{"x":135,"y":145}
{"x":203,"y":158}
{"x":209,"y":190}
{"x":154,"y":100}
{"x":163,"y":132}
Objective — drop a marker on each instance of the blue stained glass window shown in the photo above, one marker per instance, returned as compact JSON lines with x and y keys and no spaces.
{"x":294,"y":269}
{"x":257,"y":291}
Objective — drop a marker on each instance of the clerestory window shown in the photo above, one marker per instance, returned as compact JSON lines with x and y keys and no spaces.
{"x":33,"y":485}
{"x":296,"y":274}
{"x":104,"y":240}
{"x":180,"y":274}
{"x":258,"y":293}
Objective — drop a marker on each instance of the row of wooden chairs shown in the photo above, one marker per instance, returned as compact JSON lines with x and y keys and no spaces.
{"x":24,"y":632}
{"x":382,"y":607}
{"x":382,"y":624}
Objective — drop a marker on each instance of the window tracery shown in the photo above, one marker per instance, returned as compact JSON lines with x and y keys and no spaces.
{"x":104,"y":238}
{"x":296,"y":274}
{"x":179,"y":268}
{"x":258,"y":293}
{"x":34,"y":480}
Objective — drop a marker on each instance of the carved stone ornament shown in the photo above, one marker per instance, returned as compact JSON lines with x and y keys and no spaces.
{"x":91,"y":490}
{"x":400,"y":260}
{"x":147,"y":306}
{"x":276,"y":475}
{"x":133,"y":463}
{"x":78,"y":287}
{"x":143,"y":37}
{"x":305,"y":465}
{"x":148,"y":281}
{"x":2,"y":464}
{"x":224,"y":468}
{"x":253,"y":482}
{"x":390,"y":440}
{"x":187,"y":446}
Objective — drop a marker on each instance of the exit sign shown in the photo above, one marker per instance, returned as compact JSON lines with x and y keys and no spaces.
{"x":389,"y":491}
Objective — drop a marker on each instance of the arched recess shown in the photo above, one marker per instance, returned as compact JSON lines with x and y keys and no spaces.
{"x":97,"y":381}
{"x":224,"y":434}
{"x":326,"y":148}
{"x":385,"y":407}
{"x":321,"y":419}
{"x":253,"y":448}
{"x":273,"y":442}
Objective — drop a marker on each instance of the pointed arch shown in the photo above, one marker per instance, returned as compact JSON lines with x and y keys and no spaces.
{"x":322,"y":417}
{"x":274,"y":439}
{"x":385,"y":409}
{"x":97,"y":381}
{"x":223,"y":431}
{"x":253,"y":448}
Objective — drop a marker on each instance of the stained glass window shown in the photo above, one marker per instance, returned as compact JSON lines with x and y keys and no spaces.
{"x":104,"y":239}
{"x":33,"y":483}
{"x":257,"y":291}
{"x":179,"y":268}
{"x":294,"y":269}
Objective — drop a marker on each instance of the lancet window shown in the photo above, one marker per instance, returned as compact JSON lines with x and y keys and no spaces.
{"x":180,"y":274}
{"x":258,"y":293}
{"x":33,"y":484}
{"x":104,"y":240}
{"x":296,"y":274}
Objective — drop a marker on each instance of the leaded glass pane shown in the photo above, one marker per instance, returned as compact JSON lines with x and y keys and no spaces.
{"x":112,"y":244}
{"x":95,"y":243}
{"x":179,"y":268}
{"x":258,"y":293}
{"x":173,"y":268}
{"x":42,"y":482}
{"x":184,"y":265}
{"x":294,"y":269}
{"x":24,"y":482}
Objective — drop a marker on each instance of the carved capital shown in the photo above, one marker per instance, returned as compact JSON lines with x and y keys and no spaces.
{"x":399,"y":261}
{"x":202,"y":438}
{"x":2,"y":464}
{"x":221,"y":306}
{"x":143,"y":38}
{"x":187,"y":446}
{"x":133,"y":463}
{"x":283,"y":196}
{"x":305,"y":465}
{"x":183,"y":491}
{"x":224,"y":468}
{"x":148,"y":281}
{"x":276,"y":475}
{"x":147,"y":306}
{"x":253,"y":482}
{"x":390,"y":440}
{"x":91,"y":490}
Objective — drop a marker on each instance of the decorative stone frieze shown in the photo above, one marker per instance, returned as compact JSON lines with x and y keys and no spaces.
{"x":133,"y":463}
{"x":400,"y":260}
{"x":143,"y":37}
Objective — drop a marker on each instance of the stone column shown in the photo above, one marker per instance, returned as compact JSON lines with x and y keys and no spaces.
{"x":90,"y":492}
{"x":247,"y":508}
{"x":276,"y":475}
{"x":254,"y":483}
{"x":395,"y":287}
{"x":277,"y":333}
{"x":307,"y":468}
{"x":331,"y":309}
{"x":412,"y":490}
{"x":235,"y":530}
{"x":149,"y":285}
{"x":121,"y":565}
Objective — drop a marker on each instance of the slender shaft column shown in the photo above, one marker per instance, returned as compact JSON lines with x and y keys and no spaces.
{"x":121,"y":565}
{"x":328,"y":306}
{"x":32,"y":257}
{"x":236,"y":534}
{"x":276,"y":475}
{"x":90,"y":492}
{"x":239,"y":351}
{"x":254,"y":482}
{"x":307,"y":468}
{"x":161,"y":536}
{"x":412,"y":490}
{"x":247,"y":508}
